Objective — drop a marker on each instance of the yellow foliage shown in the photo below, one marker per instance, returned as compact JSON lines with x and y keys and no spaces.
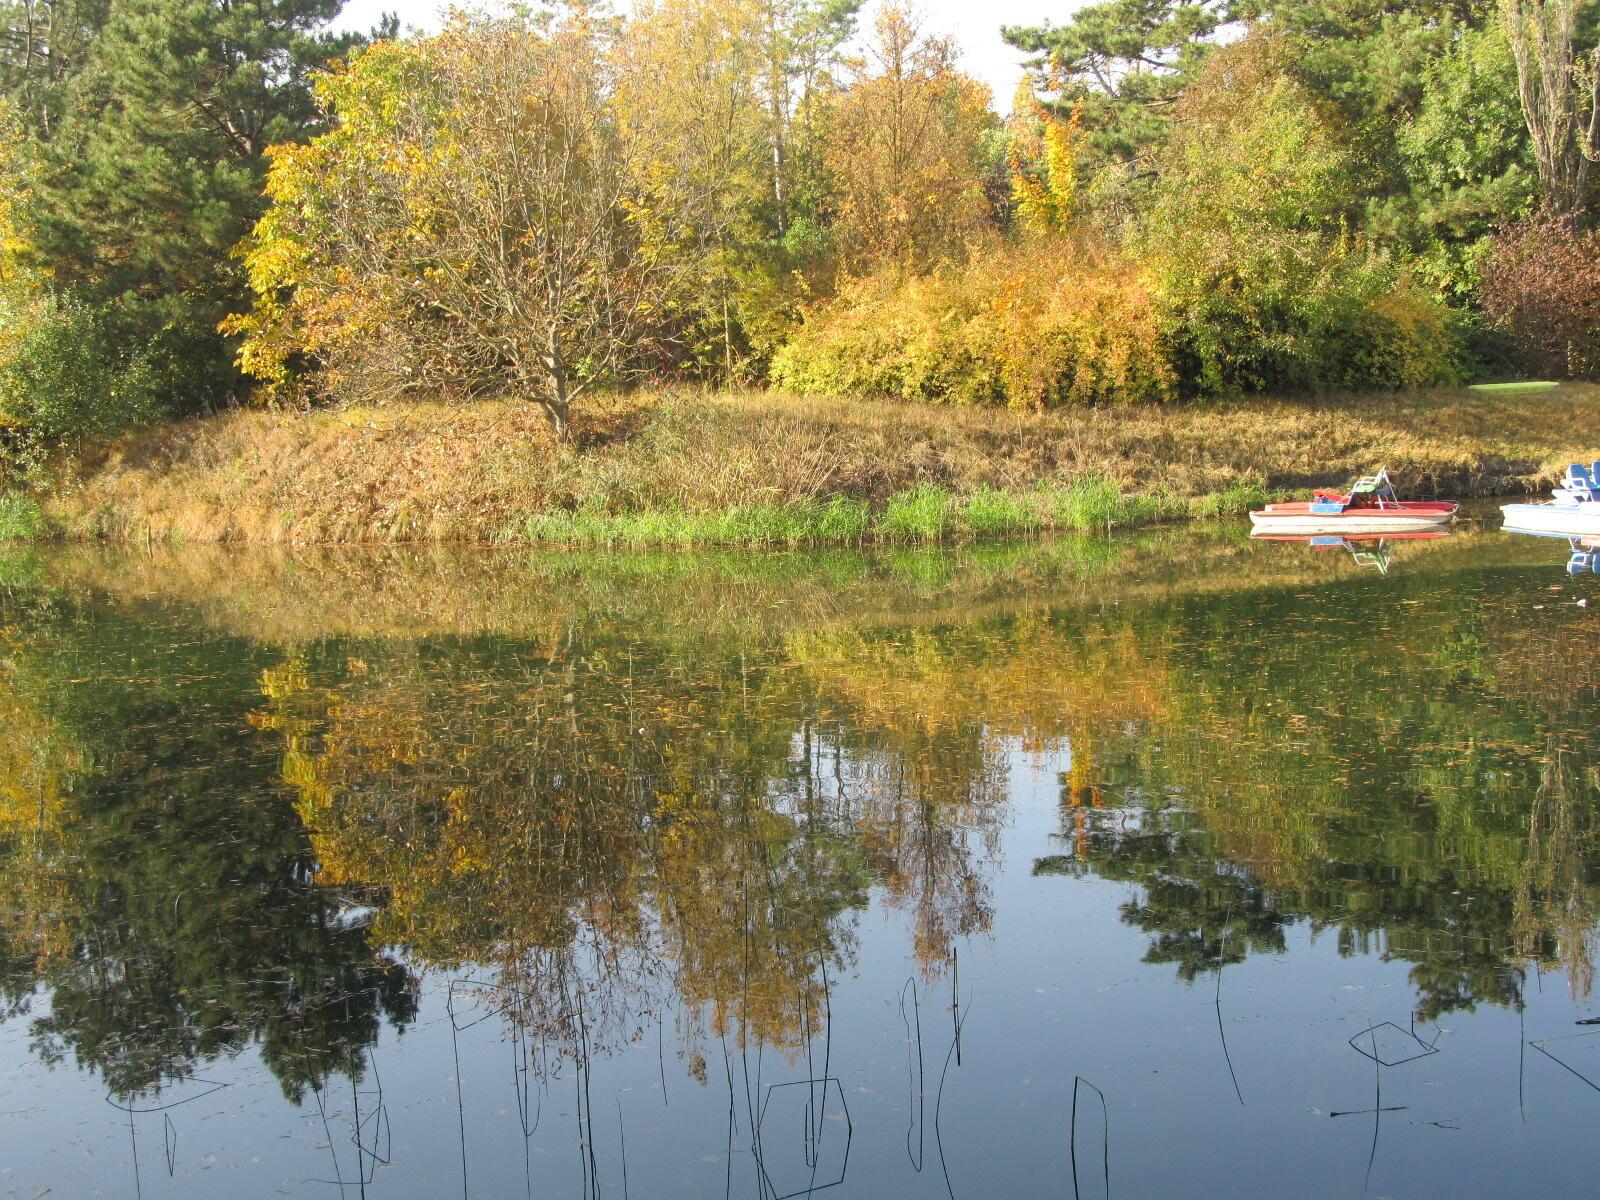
{"x":1045,"y":324}
{"x":905,"y":150}
{"x":1044,"y":165}
{"x":21,"y":279}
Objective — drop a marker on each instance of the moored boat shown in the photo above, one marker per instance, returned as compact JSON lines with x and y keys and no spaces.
{"x":1574,"y":510}
{"x":1370,"y":506}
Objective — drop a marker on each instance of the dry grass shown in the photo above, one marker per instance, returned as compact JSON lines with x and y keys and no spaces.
{"x":443,"y":473}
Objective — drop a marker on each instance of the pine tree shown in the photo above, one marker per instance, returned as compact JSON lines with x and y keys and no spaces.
{"x":154,"y":137}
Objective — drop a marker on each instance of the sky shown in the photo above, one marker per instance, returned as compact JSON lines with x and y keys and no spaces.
{"x":975,"y":24}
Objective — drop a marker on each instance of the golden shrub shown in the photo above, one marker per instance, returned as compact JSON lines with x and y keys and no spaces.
{"x":1041,"y":324}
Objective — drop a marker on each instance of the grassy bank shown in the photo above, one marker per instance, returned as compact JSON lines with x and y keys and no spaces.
{"x":767,"y":469}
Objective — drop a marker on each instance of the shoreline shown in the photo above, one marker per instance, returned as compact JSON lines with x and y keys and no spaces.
{"x":686,"y":469}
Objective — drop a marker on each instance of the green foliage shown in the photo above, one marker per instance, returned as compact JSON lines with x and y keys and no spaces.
{"x":1123,"y":62}
{"x":1264,"y":287}
{"x":79,"y":372}
{"x":1467,"y":177}
{"x":21,"y":518}
{"x":1369,"y":58}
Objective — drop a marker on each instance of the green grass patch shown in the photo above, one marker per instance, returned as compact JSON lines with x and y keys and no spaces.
{"x":1093,"y":504}
{"x":838,"y":520}
{"x":21,"y":519}
{"x":925,"y":513}
{"x":1233,"y":501}
{"x":918,"y":514}
{"x":991,"y":513}
{"x":1514,"y":386}
{"x":842,"y":519}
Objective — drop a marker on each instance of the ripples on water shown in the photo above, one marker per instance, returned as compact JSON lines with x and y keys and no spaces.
{"x":1170,"y":865}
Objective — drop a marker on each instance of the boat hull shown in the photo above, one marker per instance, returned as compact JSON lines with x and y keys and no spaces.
{"x":1568,"y":520}
{"x":1393,"y":518}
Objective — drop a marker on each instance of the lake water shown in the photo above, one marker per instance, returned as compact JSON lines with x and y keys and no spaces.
{"x":1170,"y":865}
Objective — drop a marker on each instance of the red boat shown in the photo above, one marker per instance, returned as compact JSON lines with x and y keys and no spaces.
{"x":1370,"y":507}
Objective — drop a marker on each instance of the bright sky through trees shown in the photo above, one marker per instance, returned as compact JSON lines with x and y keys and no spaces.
{"x":975,"y":24}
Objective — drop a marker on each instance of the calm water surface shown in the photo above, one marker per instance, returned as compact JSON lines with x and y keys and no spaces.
{"x":1166,"y":866}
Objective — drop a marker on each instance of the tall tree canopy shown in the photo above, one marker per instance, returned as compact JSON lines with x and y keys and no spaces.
{"x":152,"y":119}
{"x":1558,"y":82}
{"x":906,"y":147}
{"x":721,"y":99}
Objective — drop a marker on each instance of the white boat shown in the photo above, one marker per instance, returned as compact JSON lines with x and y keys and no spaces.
{"x":1370,"y":506}
{"x":1574,"y":512}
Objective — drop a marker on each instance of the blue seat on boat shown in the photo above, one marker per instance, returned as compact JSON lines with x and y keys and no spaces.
{"x":1579,"y":484}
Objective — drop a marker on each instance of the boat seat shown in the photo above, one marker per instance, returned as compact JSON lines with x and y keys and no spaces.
{"x":1372,"y":488}
{"x":1579,"y":483}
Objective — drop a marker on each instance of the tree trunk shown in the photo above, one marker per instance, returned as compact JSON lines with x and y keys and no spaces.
{"x":557,"y":403}
{"x":559,"y":410}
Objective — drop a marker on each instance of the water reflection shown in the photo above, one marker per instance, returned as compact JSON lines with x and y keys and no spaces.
{"x":691,"y":818}
{"x":162,"y":899}
{"x":1376,"y":552}
{"x":1583,"y":553}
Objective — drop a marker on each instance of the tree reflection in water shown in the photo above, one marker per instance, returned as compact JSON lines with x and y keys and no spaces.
{"x":606,"y":814}
{"x":162,"y":896}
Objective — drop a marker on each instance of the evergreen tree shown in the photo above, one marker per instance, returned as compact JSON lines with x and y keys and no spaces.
{"x":155,"y":117}
{"x":1122,"y":63}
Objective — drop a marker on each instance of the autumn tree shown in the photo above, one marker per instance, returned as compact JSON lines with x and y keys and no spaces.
{"x":801,"y":49}
{"x":467,"y":226}
{"x":1043,"y":164}
{"x":692,"y":93}
{"x":1540,"y":285}
{"x":719,"y":102}
{"x":20,"y":276}
{"x":906,"y":148}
